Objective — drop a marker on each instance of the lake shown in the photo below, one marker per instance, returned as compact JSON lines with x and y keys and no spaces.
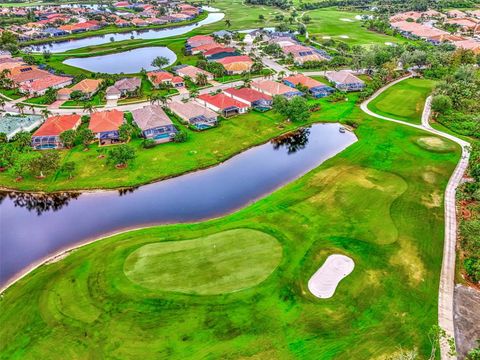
{"x":34,"y":227}
{"x":62,"y":46}
{"x":127,"y":62}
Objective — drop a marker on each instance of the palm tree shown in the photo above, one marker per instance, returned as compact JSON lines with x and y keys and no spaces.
{"x":281,"y":74}
{"x":88,"y":107}
{"x":45,"y":113}
{"x":228,"y":23}
{"x":194,"y":93}
{"x":32,"y":108}
{"x":20,"y":108}
{"x":2,"y":103}
{"x":154,"y":98}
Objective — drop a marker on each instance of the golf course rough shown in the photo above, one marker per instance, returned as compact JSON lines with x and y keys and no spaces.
{"x":216,"y":264}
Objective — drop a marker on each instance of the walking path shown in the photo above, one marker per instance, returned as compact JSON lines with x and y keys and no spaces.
{"x":447,"y":276}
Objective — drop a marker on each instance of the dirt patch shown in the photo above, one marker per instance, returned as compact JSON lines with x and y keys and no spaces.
{"x":466,"y":307}
{"x":433,"y":200}
{"x":408,"y":257}
{"x":433,"y":143}
{"x":431,"y":174}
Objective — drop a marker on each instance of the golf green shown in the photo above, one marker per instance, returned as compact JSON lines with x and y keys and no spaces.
{"x":220,"y":263}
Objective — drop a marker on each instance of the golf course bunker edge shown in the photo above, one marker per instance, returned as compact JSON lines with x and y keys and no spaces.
{"x":324,"y":282}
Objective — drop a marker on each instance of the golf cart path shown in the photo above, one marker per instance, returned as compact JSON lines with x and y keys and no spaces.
{"x":447,"y":276}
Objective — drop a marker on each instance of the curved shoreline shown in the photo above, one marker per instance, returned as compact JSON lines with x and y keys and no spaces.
{"x":167,"y":177}
{"x":50,"y":258}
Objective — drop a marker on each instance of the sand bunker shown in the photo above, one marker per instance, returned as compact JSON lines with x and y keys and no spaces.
{"x":344,"y":36}
{"x":433,"y":143}
{"x":346,"y":20}
{"x":325,"y":280}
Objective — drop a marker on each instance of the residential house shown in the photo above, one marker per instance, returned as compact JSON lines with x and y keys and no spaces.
{"x":105,"y":125}
{"x":464,"y":24}
{"x":39,"y":86}
{"x":456,"y":14}
{"x":24,"y":74}
{"x":87,"y":86}
{"x":194,"y":114}
{"x":315,"y":87}
{"x":203,"y":48}
{"x":154,"y":123}
{"x":192,"y":72}
{"x":139,"y":22}
{"x":48,"y":134}
{"x":468,"y":44}
{"x":220,"y":53}
{"x":160,"y":77}
{"x":223,"y":104}
{"x":302,"y":54}
{"x":236,"y":64}
{"x":273,"y":88}
{"x":250,"y":97}
{"x":123,"y":87}
{"x":199,"y":40}
{"x":345,"y":80}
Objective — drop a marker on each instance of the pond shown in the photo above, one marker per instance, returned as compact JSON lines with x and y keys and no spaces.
{"x":127,"y":62}
{"x":62,"y":46}
{"x":33,"y":227}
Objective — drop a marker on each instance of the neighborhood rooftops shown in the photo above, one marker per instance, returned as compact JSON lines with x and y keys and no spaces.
{"x":55,"y":125}
{"x":104,"y":121}
{"x":221,"y":101}
{"x":150,"y":117}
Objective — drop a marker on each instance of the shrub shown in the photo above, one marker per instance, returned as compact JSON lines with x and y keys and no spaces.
{"x":180,"y":137}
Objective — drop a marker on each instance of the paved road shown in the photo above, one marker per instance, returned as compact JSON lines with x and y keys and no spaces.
{"x":447,"y":276}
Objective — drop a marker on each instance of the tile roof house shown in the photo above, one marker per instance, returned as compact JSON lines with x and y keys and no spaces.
{"x":48,"y":135}
{"x":202,"y":48}
{"x":415,"y":30}
{"x":40,"y":86}
{"x":123,"y":87}
{"x":251,"y":97}
{"x":192,"y":72}
{"x":87,"y":86}
{"x":316,"y":88}
{"x":223,"y":104}
{"x":468,"y":44}
{"x":220,"y":53}
{"x":345,"y":80}
{"x":154,"y":123}
{"x":236,"y":64}
{"x":163,"y":77}
{"x":274,"y":88}
{"x":198,"y":40}
{"x":26,"y":73}
{"x":105,"y":126}
{"x":302,"y":54}
{"x":194,"y":114}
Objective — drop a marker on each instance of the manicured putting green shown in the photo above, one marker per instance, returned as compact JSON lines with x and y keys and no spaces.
{"x":220,"y":263}
{"x":433,"y":143}
{"x":403,"y":101}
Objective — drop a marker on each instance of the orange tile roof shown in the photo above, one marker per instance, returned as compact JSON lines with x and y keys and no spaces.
{"x":86,"y":86}
{"x":46,"y":82}
{"x":105,"y":121}
{"x":55,"y":125}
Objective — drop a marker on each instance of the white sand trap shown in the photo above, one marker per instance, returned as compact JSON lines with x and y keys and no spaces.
{"x":344,"y":36}
{"x":326,"y":37}
{"x":346,"y":20}
{"x":325,"y":280}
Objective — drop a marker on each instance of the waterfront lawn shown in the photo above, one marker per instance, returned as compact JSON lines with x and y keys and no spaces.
{"x":371,"y":202}
{"x":201,"y":150}
{"x":403,"y":101}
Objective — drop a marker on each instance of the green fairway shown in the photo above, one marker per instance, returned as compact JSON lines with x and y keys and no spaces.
{"x":403,"y":101}
{"x":378,"y":202}
{"x":221,"y":263}
{"x":344,"y":26}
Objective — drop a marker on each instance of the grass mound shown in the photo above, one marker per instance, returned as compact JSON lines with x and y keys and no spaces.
{"x":436,"y":144}
{"x":220,"y":263}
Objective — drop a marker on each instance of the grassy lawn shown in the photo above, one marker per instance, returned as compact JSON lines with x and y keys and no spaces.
{"x":211,"y":265}
{"x":201,"y":150}
{"x":113,"y":297}
{"x":39,"y":100}
{"x":11,"y":93}
{"x":333,"y":23}
{"x":96,"y":100}
{"x":403,"y":101}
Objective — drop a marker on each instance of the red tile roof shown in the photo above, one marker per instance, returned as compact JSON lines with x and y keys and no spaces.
{"x":221,"y":101}
{"x":106,"y":121}
{"x":219,"y":50}
{"x":55,"y":125}
{"x":247,"y":94}
{"x":234,"y":59}
{"x":303,"y":80}
{"x":46,"y":82}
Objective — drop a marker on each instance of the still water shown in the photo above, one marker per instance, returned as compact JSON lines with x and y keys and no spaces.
{"x":32,"y":227}
{"x":127,"y":62}
{"x":56,"y":47}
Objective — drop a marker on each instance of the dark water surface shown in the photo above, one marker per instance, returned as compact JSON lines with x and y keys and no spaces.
{"x":32,"y":227}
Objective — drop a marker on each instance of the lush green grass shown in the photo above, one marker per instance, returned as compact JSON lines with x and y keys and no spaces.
{"x":211,"y":265}
{"x":326,"y":22}
{"x":201,"y":150}
{"x":403,"y":101}
{"x":95,"y":100}
{"x":434,"y":143}
{"x":371,"y":202}
{"x":39,"y":100}
{"x":11,"y":93}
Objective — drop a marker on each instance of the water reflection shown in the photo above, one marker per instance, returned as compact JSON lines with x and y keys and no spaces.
{"x":293,"y":141}
{"x":39,"y":203}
